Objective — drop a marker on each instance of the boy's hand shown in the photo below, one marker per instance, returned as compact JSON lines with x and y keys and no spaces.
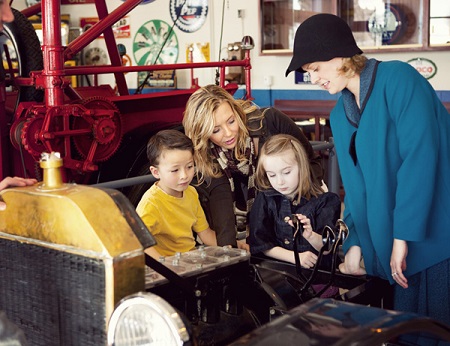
{"x":14,"y":181}
{"x":241,"y":244}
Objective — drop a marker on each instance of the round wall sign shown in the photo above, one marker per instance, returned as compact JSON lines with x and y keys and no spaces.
{"x":155,"y":43}
{"x":189,"y":16}
{"x":391,"y":24}
{"x":425,"y":67}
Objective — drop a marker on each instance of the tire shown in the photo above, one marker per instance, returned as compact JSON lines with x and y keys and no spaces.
{"x":26,"y":48}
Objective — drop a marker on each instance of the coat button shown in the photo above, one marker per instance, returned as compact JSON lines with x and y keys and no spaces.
{"x":286,"y":241}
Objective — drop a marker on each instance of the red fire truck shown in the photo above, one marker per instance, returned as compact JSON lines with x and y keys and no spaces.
{"x":100,"y":132}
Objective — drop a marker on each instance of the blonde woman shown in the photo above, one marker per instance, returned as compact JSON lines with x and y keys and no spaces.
{"x":226,"y":142}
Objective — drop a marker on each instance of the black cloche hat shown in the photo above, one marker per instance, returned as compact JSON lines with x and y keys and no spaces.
{"x":322,"y":37}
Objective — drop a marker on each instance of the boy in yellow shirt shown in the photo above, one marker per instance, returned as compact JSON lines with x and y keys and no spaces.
{"x":170,"y":208}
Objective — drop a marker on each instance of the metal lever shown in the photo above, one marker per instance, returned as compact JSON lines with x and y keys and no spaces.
{"x":298,"y":231}
{"x":335,"y":241}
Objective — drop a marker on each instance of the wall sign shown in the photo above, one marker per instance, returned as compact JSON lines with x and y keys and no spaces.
{"x":122,"y":28}
{"x":88,"y":22}
{"x":143,"y":2}
{"x":77,"y":2}
{"x":32,"y":2}
{"x":189,"y":16}
{"x":63,"y":2}
{"x":155,"y":43}
{"x":390,"y":25}
{"x":198,"y":52}
{"x":302,"y":78}
{"x":425,"y":67}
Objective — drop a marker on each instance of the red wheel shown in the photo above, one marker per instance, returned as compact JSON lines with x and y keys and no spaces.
{"x":105,"y":124}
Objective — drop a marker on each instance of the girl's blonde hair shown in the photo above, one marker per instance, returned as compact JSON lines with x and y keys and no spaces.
{"x":198,"y":123}
{"x":277,"y":145}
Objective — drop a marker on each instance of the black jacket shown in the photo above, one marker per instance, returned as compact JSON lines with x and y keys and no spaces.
{"x":268,"y":228}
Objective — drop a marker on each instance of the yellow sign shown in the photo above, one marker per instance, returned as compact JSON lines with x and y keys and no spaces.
{"x":198,"y":52}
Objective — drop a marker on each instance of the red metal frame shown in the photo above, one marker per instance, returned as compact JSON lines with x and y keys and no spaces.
{"x":139,"y":114}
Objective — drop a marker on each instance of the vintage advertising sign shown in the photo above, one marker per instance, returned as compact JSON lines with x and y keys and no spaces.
{"x":87,"y":22}
{"x":425,"y":67}
{"x":77,"y":2}
{"x":155,"y":43}
{"x":143,"y":2}
{"x":190,"y":15}
{"x":198,"y":52}
{"x":121,"y":29}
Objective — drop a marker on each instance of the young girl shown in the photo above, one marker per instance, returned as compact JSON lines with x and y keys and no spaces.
{"x":283,"y":176}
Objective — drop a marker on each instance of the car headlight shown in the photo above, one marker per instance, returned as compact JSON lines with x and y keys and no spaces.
{"x":146,"y":319}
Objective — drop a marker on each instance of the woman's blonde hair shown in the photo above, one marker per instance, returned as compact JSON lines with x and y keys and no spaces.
{"x":253,"y":114}
{"x":198,"y":123}
{"x":352,"y":66}
{"x":277,"y":145}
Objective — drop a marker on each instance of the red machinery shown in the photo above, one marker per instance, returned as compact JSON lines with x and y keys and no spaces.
{"x":99,"y":133}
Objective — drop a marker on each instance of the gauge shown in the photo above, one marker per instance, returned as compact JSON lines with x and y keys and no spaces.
{"x":95,"y":56}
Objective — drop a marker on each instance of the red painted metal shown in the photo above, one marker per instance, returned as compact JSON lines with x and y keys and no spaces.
{"x":116,"y":59}
{"x":77,"y":2}
{"x":53,"y":73}
{"x":4,"y":133}
{"x":97,"y":29}
{"x":93,"y":127}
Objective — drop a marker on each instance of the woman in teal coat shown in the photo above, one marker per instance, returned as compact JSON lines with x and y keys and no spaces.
{"x":392,"y":137}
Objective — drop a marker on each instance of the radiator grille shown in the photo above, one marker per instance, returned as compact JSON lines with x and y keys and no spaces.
{"x":55,"y":297}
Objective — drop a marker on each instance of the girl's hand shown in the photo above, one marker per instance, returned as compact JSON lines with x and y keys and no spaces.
{"x":308,"y":259}
{"x":398,"y":262}
{"x":307,"y":228}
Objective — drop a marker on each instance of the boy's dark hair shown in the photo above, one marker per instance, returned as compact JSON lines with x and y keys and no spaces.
{"x":167,"y":140}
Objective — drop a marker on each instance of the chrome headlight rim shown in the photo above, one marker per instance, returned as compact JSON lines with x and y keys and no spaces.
{"x":153,"y":302}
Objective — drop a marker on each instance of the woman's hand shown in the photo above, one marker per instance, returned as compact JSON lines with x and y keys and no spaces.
{"x":352,"y":262}
{"x":398,"y":262}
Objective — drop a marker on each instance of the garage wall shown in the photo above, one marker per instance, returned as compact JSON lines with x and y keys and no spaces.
{"x":233,"y":29}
